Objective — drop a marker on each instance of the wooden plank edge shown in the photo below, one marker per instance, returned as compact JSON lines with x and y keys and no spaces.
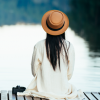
{"x":8,"y":96}
{"x":3,"y":96}
{"x":28,"y":97}
{"x":86,"y":95}
{"x":16,"y":96}
{"x":94,"y":96}
{"x":0,"y":95}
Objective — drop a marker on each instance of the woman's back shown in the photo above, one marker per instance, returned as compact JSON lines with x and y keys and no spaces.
{"x":49,"y":80}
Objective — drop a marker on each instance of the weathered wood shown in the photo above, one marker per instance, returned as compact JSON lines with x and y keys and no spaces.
{"x":36,"y":98}
{"x":0,"y":95}
{"x":85,"y":98}
{"x":96,"y":95}
{"x":4,"y":95}
{"x":14,"y":97}
{"x":20,"y":97}
{"x":28,"y":98}
{"x":90,"y":96}
{"x":10,"y":95}
{"x":44,"y":99}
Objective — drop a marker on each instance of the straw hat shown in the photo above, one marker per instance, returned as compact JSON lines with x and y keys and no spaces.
{"x":55,"y":22}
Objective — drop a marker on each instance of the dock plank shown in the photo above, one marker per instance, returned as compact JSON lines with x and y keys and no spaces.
{"x":96,"y":95}
{"x":28,"y":98}
{"x":13,"y":97}
{"x":36,"y":98}
{"x":90,"y":96}
{"x":20,"y":97}
{"x":45,"y":99}
{"x":10,"y":95}
{"x":4,"y":95}
{"x":85,"y":98}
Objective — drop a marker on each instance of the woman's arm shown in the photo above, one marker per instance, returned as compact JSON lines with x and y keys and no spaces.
{"x":71,"y":57}
{"x":36,"y":60}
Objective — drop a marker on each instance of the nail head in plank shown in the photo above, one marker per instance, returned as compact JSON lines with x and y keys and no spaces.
{"x":96,"y":95}
{"x":20,"y":97}
{"x":90,"y":96}
{"x":28,"y":98}
{"x":4,"y":95}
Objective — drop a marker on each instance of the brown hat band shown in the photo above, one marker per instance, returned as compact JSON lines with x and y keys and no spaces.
{"x":54,"y":29}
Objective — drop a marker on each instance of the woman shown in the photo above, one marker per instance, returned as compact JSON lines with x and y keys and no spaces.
{"x":53,"y":61}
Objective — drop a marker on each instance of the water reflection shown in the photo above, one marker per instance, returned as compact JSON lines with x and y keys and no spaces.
{"x":16,"y":48}
{"x":86,"y":73}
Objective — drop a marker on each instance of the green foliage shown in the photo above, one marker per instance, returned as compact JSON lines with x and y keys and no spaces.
{"x":27,"y":11}
{"x":84,"y":20}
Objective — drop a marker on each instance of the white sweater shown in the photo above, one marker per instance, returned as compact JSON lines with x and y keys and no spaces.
{"x":48,"y":83}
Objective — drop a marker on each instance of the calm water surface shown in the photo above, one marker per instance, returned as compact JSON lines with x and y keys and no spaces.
{"x":16,"y":48}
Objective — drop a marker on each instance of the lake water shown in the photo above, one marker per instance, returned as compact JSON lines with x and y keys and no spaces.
{"x":16,"y":48}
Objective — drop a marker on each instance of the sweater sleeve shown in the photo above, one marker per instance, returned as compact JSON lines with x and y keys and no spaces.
{"x":36,"y":60}
{"x":71,"y":58}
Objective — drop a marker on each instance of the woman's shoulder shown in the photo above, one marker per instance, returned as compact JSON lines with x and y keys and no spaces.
{"x":69,"y":44}
{"x":40,"y":43}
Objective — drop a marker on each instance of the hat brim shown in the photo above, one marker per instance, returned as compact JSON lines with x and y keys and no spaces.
{"x":49,"y":31}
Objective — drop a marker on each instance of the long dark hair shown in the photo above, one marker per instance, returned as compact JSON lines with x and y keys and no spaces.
{"x":53,"y":48}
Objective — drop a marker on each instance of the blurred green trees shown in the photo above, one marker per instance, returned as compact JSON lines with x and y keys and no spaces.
{"x":28,"y":11}
{"x":84,"y":20}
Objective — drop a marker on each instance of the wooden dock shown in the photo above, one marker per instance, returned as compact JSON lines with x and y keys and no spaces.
{"x":4,"y":95}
